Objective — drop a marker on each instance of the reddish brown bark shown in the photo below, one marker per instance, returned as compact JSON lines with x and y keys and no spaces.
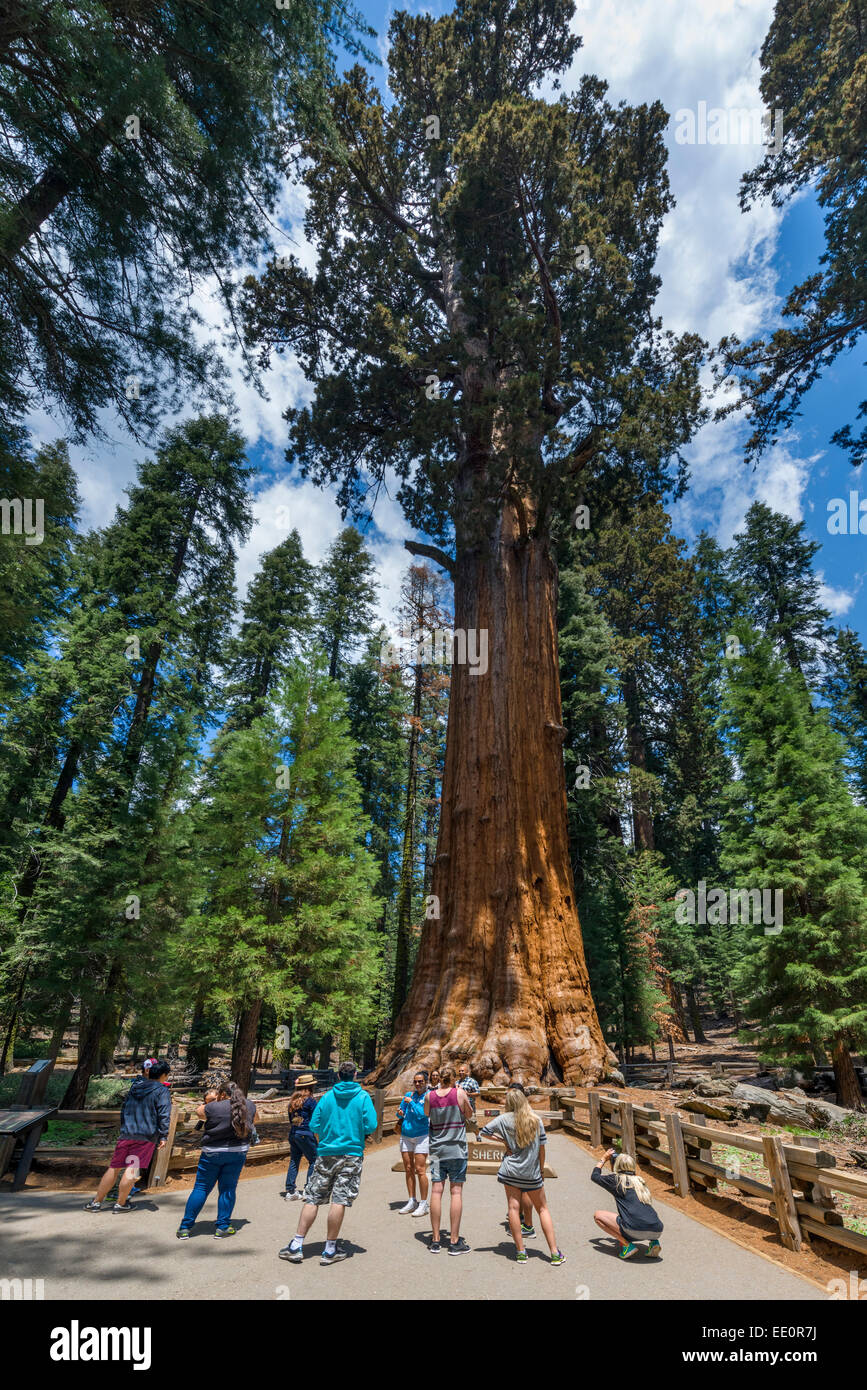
{"x":245,"y":1042}
{"x":845,"y":1076}
{"x":500,"y":976}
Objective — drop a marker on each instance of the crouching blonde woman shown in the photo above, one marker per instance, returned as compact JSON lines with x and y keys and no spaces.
{"x":636,"y":1219}
{"x":522,"y":1132}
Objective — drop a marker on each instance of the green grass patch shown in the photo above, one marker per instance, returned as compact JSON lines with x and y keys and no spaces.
{"x":103,"y":1093}
{"x":63,"y":1134}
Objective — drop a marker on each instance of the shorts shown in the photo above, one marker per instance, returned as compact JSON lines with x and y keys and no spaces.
{"x":455,"y":1169}
{"x":333,"y":1178}
{"x":522,"y":1185}
{"x":415,"y":1144}
{"x":132,"y":1153}
{"x":638,"y":1235}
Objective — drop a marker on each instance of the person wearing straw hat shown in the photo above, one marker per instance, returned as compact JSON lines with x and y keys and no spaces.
{"x":302,"y":1140}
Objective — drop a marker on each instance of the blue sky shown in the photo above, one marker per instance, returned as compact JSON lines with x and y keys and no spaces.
{"x":723,"y":272}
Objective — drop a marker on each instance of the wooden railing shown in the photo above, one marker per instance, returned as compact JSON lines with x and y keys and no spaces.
{"x":803,"y":1179}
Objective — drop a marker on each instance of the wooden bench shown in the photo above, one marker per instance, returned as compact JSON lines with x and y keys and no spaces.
{"x":24,"y":1121}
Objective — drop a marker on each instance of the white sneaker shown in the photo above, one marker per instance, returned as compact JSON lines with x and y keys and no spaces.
{"x":422,"y":1209}
{"x":409,"y":1209}
{"x":291,"y":1196}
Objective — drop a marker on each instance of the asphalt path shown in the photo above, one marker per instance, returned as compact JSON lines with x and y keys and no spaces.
{"x":79,"y":1255}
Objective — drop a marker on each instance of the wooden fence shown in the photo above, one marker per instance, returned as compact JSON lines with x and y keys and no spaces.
{"x":803,"y":1179}
{"x":175,"y":1157}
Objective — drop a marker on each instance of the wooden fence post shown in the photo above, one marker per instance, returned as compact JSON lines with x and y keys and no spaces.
{"x":595,"y":1119}
{"x":784,"y":1201}
{"x":160,"y":1165}
{"x":677,"y":1152}
{"x":627,"y":1128}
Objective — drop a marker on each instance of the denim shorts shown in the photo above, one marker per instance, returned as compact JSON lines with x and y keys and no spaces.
{"x":455,"y":1169}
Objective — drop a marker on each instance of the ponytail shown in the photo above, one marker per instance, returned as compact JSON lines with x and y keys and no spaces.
{"x":240,"y":1116}
{"x":226,"y":1089}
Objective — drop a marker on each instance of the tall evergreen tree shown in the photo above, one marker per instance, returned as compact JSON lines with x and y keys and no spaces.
{"x":275,"y":625}
{"x":345,"y":599}
{"x":480,"y":320}
{"x":378,"y":709}
{"x":813,"y":63}
{"x":791,"y":825}
{"x":34,"y":570}
{"x":288,"y":910}
{"x":141,"y":147}
{"x":422,"y":615}
{"x":845,"y":688}
{"x":138,"y":668}
{"x":771,"y":571}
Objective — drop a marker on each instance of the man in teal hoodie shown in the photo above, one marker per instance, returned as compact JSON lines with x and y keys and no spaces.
{"x":341,"y":1121}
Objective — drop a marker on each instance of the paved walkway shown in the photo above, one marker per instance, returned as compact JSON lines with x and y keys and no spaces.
{"x":80,"y":1255}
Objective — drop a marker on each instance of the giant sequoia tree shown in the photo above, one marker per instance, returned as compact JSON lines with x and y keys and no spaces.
{"x":481,"y":321}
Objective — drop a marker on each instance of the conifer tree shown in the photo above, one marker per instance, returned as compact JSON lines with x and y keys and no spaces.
{"x":480,"y":321}
{"x":812,"y":60}
{"x":345,"y":599}
{"x":845,"y":688}
{"x":791,"y":825}
{"x":141,"y":148}
{"x":275,"y":627}
{"x":288,"y":911}
{"x":770,"y":568}
{"x":378,"y":710}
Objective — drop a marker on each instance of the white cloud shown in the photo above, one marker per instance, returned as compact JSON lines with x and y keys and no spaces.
{"x":837,"y":601}
{"x":715,"y":262}
{"x":283,"y":505}
{"x":681,"y":55}
{"x":723,"y":487}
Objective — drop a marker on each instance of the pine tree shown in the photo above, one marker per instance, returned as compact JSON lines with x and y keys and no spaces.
{"x":791,"y":825}
{"x":345,"y":600}
{"x":136,"y":673}
{"x":275,"y":626}
{"x":421,"y":615}
{"x":378,"y":710}
{"x":813,"y":75}
{"x":141,"y":147}
{"x":845,"y":689}
{"x":770,"y":568}
{"x":34,"y":570}
{"x":288,"y":910}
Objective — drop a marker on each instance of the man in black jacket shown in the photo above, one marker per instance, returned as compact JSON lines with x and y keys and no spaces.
{"x":144,"y":1126}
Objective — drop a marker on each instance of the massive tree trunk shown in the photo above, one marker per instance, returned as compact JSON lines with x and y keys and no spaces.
{"x":403,"y":906}
{"x":500,"y":976}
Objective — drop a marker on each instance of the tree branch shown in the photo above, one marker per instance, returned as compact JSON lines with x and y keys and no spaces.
{"x":432,"y":552}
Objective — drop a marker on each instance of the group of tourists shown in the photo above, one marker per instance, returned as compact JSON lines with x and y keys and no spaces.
{"x":330,"y":1135}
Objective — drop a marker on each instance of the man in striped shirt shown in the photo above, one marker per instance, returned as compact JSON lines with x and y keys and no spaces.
{"x":468,"y":1083}
{"x":448,"y":1109}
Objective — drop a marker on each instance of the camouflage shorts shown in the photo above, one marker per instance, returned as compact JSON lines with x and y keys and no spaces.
{"x":333,"y":1178}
